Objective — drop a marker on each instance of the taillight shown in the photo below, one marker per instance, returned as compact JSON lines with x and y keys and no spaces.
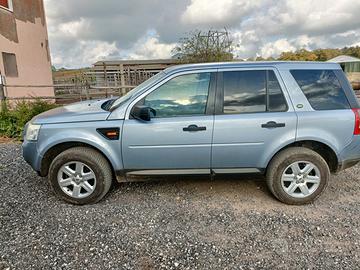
{"x":357,"y":121}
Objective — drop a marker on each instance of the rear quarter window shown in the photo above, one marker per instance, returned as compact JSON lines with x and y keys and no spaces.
{"x":322,"y":89}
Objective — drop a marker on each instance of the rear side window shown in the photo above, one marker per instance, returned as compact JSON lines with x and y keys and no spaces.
{"x":322,"y":89}
{"x":244,"y":91}
{"x":277,"y":102}
{"x":252,"y":91}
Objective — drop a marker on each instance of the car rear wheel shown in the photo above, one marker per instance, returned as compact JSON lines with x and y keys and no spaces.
{"x":297,"y":175}
{"x":80,"y":175}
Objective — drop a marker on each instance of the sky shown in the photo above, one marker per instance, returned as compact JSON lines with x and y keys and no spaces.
{"x":82,"y":32}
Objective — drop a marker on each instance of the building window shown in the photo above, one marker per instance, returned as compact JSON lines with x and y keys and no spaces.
{"x":6,"y":4}
{"x":10,"y":65}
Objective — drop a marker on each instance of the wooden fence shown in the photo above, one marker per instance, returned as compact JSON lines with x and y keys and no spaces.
{"x":105,"y":79}
{"x":71,"y":93}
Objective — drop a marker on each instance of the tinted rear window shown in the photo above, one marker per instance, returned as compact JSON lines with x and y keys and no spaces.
{"x":244,"y":91}
{"x":322,"y":89}
{"x":250,"y":92}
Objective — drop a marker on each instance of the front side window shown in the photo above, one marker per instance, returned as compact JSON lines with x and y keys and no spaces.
{"x":184,"y":95}
{"x":322,"y":89}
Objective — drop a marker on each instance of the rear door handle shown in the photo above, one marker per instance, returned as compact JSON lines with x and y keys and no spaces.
{"x":272,"y":124}
{"x":192,"y":128}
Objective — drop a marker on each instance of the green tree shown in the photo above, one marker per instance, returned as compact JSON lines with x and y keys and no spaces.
{"x":300,"y":55}
{"x":319,"y":54}
{"x":326,"y":54}
{"x":211,"y":46}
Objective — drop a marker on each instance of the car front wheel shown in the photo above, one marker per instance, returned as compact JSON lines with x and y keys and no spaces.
{"x":80,"y":175}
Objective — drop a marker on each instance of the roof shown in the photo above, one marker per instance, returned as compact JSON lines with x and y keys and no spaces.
{"x":278,"y":64}
{"x":344,"y":59}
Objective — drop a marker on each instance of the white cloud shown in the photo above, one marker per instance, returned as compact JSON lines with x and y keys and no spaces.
{"x":324,"y":15}
{"x":245,"y":43}
{"x":275,"y":48}
{"x":84,"y":53}
{"x":214,"y":12}
{"x":82,"y":31}
{"x":151,"y":48}
{"x":74,"y":28}
{"x":97,"y":50}
{"x":293,"y":17}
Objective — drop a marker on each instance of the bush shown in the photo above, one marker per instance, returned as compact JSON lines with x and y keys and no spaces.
{"x":12,"y":121}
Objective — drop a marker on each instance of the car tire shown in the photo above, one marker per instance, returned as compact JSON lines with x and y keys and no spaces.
{"x":80,"y":175}
{"x":297,"y":175}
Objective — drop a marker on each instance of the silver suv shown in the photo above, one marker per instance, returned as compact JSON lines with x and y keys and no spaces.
{"x":295,"y":122}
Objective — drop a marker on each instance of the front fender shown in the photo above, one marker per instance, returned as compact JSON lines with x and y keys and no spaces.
{"x":55,"y":134}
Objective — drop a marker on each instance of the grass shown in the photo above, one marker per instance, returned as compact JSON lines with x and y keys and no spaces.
{"x":13,"y":120}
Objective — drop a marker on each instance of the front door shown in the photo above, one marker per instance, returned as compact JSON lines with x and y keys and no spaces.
{"x":254,"y":118}
{"x":178,"y":138}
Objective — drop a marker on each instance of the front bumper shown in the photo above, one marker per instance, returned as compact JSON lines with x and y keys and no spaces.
{"x":350,"y":156}
{"x":31,"y":155}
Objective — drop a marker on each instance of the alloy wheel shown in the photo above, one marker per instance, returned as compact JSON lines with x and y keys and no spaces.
{"x":300,"y":179}
{"x":76,"y":179}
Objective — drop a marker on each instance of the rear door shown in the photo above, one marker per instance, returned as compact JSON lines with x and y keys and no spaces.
{"x":254,"y":118}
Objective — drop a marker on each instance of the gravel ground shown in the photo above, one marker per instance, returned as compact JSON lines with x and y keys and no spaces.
{"x":181,"y":223}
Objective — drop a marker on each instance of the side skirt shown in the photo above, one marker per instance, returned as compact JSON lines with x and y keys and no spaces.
{"x":148,"y":175}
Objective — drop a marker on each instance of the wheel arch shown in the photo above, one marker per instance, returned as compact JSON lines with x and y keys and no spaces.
{"x":60,"y":147}
{"x":323,"y":149}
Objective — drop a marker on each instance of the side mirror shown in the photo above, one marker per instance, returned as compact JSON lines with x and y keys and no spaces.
{"x":143,"y":113}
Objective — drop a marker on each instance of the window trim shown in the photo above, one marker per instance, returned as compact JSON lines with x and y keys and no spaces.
{"x":219,"y":106}
{"x":211,"y":94}
{"x":11,"y":7}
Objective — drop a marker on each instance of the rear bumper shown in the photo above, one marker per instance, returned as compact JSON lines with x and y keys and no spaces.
{"x":350,"y":156}
{"x":31,"y":155}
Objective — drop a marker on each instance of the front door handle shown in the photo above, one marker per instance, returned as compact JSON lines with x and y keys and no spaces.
{"x":272,"y":124}
{"x":192,"y":128}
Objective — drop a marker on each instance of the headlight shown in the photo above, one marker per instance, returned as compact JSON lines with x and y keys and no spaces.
{"x":32,"y":132}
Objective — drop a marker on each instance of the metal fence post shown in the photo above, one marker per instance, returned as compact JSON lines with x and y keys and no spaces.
{"x":2,"y":94}
{"x":122,"y":80}
{"x":87,"y":88}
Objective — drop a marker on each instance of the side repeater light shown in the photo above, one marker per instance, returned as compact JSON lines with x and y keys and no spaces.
{"x":109,"y":133}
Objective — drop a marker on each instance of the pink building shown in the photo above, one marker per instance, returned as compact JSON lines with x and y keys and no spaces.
{"x":24,"y":48}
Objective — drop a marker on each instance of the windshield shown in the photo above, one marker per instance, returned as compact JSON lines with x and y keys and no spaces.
{"x":137,"y":89}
